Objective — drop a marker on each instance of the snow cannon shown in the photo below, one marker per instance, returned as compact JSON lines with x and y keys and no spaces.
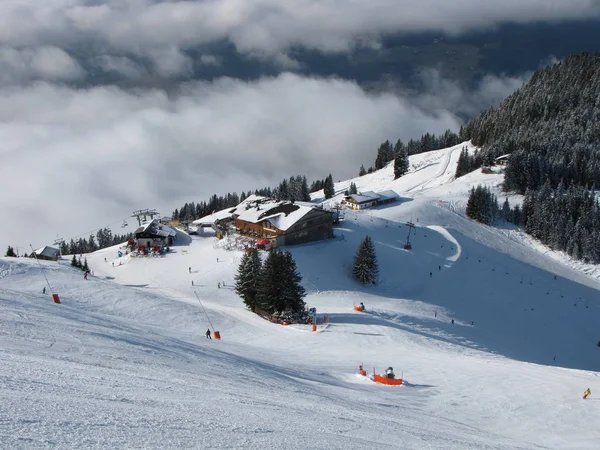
{"x":216,"y":335}
{"x":388,"y":378}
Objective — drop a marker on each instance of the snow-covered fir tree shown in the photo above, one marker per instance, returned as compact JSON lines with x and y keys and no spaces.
{"x":365,"y":267}
{"x":328,"y":189}
{"x":279,"y":291}
{"x":400,"y":163}
{"x":247,"y":278}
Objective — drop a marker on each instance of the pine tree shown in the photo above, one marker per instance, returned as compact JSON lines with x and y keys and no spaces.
{"x":85,"y":266}
{"x":270,"y":290}
{"x":362,"y":171}
{"x":74,"y":262}
{"x":400,"y":163}
{"x":365,"y":267}
{"x":279,"y":292}
{"x":329,"y":189}
{"x":293,"y":291}
{"x":248,"y":277}
{"x":10,"y":252}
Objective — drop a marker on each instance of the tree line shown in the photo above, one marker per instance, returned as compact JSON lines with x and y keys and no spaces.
{"x":550,"y":127}
{"x":564,"y":219}
{"x":428,"y":142}
{"x":103,"y":239}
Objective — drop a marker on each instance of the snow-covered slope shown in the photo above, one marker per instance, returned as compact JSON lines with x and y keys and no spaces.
{"x":123,"y":361}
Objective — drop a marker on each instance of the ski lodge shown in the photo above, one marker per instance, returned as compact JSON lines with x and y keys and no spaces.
{"x":368,"y":199}
{"x":153,"y":233}
{"x":502,"y":160}
{"x":272,"y":223}
{"x":47,"y":253}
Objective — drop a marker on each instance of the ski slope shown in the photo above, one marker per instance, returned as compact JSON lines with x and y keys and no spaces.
{"x":123,"y":361}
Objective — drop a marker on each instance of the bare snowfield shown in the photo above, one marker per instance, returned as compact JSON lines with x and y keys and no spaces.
{"x":123,"y":361}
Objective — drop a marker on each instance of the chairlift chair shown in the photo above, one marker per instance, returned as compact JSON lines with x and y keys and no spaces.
{"x":124,"y":224}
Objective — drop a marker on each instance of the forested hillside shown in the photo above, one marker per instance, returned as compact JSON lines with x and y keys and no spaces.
{"x":551,"y":129}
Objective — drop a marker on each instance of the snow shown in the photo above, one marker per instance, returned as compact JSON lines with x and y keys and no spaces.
{"x":123,"y":362}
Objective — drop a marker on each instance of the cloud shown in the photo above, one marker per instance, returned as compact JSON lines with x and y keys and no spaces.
{"x":443,"y":94}
{"x":163,"y":30}
{"x":46,"y":63}
{"x":75,"y":159}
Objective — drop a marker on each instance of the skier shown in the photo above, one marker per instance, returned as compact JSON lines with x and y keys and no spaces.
{"x":85,"y":275}
{"x":44,"y":290}
{"x":452,"y":321}
{"x":208,"y":334}
{"x":219,"y":285}
{"x":362,"y":306}
{"x":190,"y":269}
{"x":192,"y":282}
{"x":587,"y":393}
{"x":389,"y":372}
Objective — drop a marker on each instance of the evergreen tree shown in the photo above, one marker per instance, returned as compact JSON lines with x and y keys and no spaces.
{"x":362,"y":171}
{"x":279,"y":291}
{"x":248,"y":277}
{"x":74,"y":262}
{"x":385,"y":154}
{"x":400,"y":163}
{"x":293,"y":291}
{"x":482,"y":205}
{"x":329,"y":189}
{"x":85,"y":266}
{"x":365,"y":267}
{"x":10,"y":252}
{"x":270,"y":290}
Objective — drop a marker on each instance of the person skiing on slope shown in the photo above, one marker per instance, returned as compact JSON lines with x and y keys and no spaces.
{"x":208,"y":334}
{"x":587,"y":393}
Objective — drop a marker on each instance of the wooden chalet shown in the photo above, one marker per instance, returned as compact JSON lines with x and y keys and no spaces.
{"x":502,"y":160}
{"x":47,"y":253}
{"x":368,"y":199}
{"x":279,"y":223}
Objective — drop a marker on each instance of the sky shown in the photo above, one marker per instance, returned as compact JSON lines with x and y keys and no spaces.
{"x":104,"y":108}
{"x":493,"y":335}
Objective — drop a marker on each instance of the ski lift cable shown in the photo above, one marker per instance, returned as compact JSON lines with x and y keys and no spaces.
{"x":203,"y":309}
{"x":123,"y":221}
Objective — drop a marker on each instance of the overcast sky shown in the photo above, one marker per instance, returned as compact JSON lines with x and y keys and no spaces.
{"x":78,"y":154}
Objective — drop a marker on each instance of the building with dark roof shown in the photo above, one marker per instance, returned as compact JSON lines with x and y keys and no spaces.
{"x":47,"y":253}
{"x":154,"y":233}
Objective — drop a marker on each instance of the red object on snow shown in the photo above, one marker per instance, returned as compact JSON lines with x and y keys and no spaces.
{"x":263,"y":242}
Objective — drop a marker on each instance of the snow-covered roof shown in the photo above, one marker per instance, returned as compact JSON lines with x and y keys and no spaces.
{"x":157,"y":229}
{"x":502,"y":157}
{"x":229,"y":212}
{"x":364,"y":197}
{"x":49,"y":252}
{"x":384,"y":195}
{"x":370,"y":196}
{"x":281,"y":214}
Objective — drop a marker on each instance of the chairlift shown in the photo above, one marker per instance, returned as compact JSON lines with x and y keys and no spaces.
{"x":124,"y":224}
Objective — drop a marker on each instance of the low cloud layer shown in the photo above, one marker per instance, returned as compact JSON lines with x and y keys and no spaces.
{"x":78,"y":153}
{"x":74,"y":158}
{"x":121,"y":34}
